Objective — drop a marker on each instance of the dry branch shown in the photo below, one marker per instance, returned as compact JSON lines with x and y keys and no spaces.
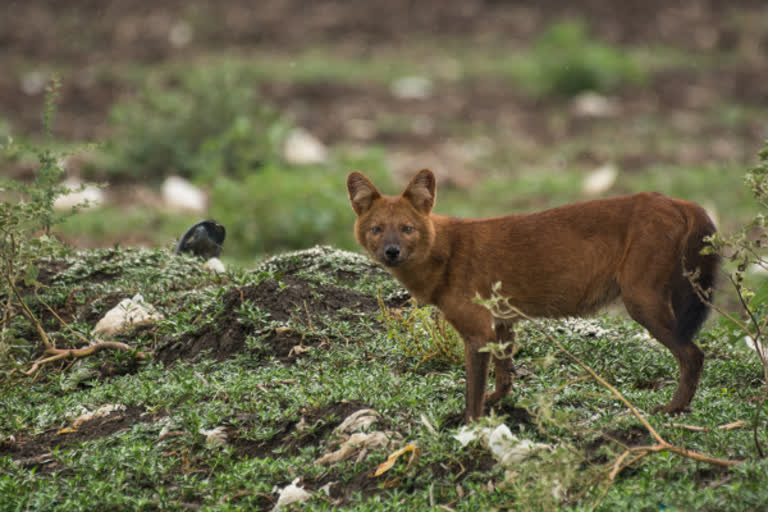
{"x":55,"y":354}
{"x":501,"y":308}
{"x":696,"y":428}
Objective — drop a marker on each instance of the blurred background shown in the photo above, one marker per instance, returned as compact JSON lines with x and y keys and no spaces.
{"x":252,"y":113}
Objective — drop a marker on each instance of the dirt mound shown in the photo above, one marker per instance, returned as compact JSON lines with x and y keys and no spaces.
{"x":291,"y":298}
{"x":35,"y":451}
{"x":318,"y":424}
{"x":142,"y":30}
{"x":343,"y":489}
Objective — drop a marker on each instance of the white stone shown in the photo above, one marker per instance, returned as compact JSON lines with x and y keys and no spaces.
{"x":129,"y":313}
{"x":591,"y":104}
{"x":215,"y":265}
{"x":180,"y":194}
{"x":291,"y":494}
{"x":33,"y":83}
{"x":93,"y":195}
{"x":600,"y":180}
{"x":302,"y":148}
{"x":412,"y":88}
{"x":180,"y":34}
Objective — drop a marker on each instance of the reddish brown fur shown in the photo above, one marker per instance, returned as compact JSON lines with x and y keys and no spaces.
{"x":566,"y":261}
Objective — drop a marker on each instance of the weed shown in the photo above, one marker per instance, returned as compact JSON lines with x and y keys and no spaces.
{"x":283,"y":208}
{"x":746,"y":249}
{"x":22,"y":246}
{"x":565,"y":62}
{"x":202,"y":125}
{"x":422,"y":332}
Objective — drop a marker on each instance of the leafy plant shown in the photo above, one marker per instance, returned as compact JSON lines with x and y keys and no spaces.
{"x":25,"y":244}
{"x":286,"y":208}
{"x":566,"y":62}
{"x":23,"y":216}
{"x":501,"y":308}
{"x":422,"y":332}
{"x":199,"y":125}
{"x":746,"y":249}
{"x":35,"y":209}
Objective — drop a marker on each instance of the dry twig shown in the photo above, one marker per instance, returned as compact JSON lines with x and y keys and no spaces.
{"x":503,"y":309}
{"x":51,"y":353}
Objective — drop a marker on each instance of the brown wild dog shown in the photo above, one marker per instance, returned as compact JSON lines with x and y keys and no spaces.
{"x":566,"y":261}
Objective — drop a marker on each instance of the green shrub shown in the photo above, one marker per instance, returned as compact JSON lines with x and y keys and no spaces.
{"x":424,"y":333}
{"x":26,"y":218}
{"x":566,"y":62}
{"x":283,"y":208}
{"x":202,"y":125}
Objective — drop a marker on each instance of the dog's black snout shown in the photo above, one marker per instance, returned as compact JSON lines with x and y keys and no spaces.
{"x":392,"y":252}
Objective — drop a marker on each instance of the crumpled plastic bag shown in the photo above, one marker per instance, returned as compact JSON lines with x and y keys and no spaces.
{"x":291,"y":493}
{"x":505,"y":447}
{"x":129,"y":313}
{"x":358,"y":421}
{"x":358,"y":442}
{"x":216,"y":437}
{"x":104,"y":410}
{"x":355,"y":438}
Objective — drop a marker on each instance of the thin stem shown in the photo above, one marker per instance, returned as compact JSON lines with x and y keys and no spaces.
{"x":65,"y":324}
{"x":757,"y":338}
{"x":62,"y":353}
{"x":29,"y":315}
{"x":501,"y":308}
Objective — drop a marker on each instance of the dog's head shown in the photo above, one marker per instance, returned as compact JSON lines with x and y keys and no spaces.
{"x":394,"y":229}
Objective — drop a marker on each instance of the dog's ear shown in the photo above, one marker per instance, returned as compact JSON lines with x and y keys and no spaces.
{"x":421,"y":191}
{"x":362,"y":192}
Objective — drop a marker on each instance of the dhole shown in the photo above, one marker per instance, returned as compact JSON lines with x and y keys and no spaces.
{"x":565,"y":261}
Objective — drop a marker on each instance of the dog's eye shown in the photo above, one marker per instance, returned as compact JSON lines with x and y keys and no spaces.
{"x":376,"y":229}
{"x":407,"y":229}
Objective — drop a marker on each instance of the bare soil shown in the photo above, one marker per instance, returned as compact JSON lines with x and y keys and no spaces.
{"x":302,"y":300}
{"x":35,"y":451}
{"x":82,"y":36}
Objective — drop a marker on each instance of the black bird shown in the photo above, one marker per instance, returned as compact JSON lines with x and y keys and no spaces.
{"x":202,"y":239}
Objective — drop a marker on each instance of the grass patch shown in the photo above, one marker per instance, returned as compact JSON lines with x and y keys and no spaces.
{"x":158,"y":456}
{"x":199,"y":124}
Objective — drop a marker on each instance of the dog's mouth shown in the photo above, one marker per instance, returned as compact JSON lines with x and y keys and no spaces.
{"x":392,"y":260}
{"x":392,"y":263}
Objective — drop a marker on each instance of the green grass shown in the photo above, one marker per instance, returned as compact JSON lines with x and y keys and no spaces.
{"x":255,"y":394}
{"x":287,"y":208}
{"x":229,"y":142}
{"x":202,"y":116}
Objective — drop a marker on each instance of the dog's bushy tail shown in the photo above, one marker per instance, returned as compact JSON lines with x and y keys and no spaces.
{"x":690,"y":309}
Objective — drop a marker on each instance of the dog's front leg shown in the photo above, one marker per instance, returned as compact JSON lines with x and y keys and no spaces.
{"x":503,"y":363}
{"x":477,"y":377}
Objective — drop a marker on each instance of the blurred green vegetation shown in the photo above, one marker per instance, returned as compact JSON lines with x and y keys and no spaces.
{"x":205,"y":119}
{"x":283,"y":207}
{"x":564,"y":61}
{"x":200,"y":124}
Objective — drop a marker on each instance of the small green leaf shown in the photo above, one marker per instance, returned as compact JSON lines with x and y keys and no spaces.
{"x":761,"y":296}
{"x":31,"y":276}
